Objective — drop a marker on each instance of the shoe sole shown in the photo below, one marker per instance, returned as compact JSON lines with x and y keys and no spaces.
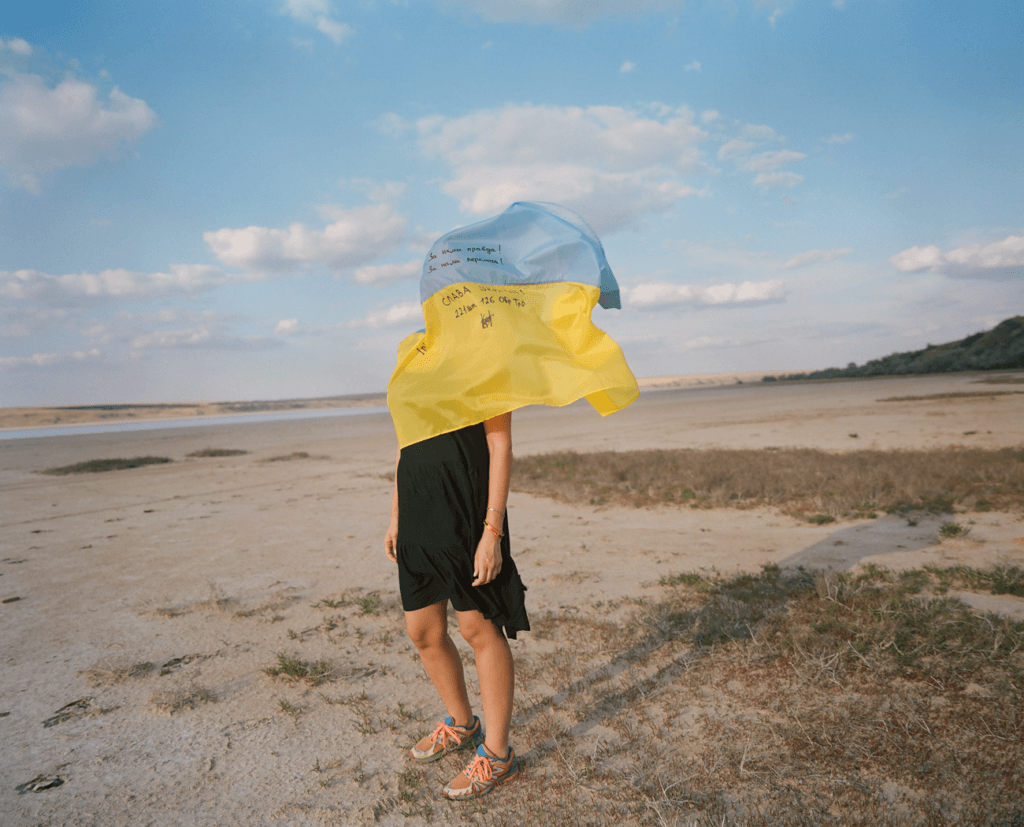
{"x":511,"y":774}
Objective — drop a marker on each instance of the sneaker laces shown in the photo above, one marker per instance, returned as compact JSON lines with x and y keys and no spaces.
{"x":444,"y":732}
{"x":480,"y":769}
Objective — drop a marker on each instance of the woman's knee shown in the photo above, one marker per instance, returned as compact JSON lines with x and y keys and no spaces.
{"x":427,"y":627}
{"x":476,"y":629}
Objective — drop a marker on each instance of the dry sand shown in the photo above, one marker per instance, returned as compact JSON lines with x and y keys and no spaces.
{"x":152,"y":600}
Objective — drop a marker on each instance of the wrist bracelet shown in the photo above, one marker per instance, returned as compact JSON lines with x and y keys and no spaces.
{"x":493,"y":530}
{"x":495,"y":510}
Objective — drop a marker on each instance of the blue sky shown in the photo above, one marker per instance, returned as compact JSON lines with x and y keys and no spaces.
{"x":231,"y":199}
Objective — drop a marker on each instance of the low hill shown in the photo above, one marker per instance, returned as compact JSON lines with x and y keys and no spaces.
{"x":1001,"y":348}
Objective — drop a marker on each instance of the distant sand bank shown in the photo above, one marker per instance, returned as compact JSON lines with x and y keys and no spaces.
{"x":38,"y":417}
{"x":65,"y":415}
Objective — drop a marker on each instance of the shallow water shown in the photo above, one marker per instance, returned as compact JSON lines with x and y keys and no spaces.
{"x":159,"y":424}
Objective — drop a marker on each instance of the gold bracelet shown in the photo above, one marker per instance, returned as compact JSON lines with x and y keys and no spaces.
{"x":494,"y":531}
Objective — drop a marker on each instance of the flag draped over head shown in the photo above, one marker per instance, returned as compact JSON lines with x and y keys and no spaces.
{"x":507,"y":307}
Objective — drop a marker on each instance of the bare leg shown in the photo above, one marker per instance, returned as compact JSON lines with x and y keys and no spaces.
{"x":428,"y":629}
{"x":496,"y":672}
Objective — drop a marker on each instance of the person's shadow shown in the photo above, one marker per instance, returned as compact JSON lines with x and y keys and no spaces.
{"x":888,"y":534}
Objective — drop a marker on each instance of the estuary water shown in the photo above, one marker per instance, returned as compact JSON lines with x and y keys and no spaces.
{"x":159,"y":424}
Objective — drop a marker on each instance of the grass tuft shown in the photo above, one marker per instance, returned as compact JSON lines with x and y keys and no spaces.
{"x":110,"y":673}
{"x":291,"y":456}
{"x":952,"y":530}
{"x":188,"y":696}
{"x":218,"y":452}
{"x":294,"y":669}
{"x":96,"y":466}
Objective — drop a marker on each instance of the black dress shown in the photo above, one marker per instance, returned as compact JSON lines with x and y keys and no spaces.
{"x":442,"y":504}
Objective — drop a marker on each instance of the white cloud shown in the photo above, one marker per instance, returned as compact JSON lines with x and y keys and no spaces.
{"x":627,"y":66}
{"x":403,"y":314}
{"x":710,"y":116}
{"x":668,"y":296}
{"x":775,"y":180}
{"x":210,"y":335}
{"x":17,"y":45}
{"x":767,"y":163}
{"x":997,"y":259}
{"x":374,"y":191}
{"x":735,"y":148}
{"x":692,"y":67}
{"x":33,"y":285}
{"x":356,"y":237}
{"x":838,"y":140}
{"x":759,"y":132}
{"x":567,"y":12}
{"x":45,"y":360}
{"x":320,"y":15}
{"x":381,"y":274}
{"x":43,"y":129}
{"x":287,"y":327}
{"x":391,"y":123}
{"x":703,"y":342}
{"x":16,"y":323}
{"x":189,"y":337}
{"x":816,"y":257}
{"x":771,"y":161}
{"x":839,"y":4}
{"x":610,"y":164}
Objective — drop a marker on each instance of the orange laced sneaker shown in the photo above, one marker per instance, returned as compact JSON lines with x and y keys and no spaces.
{"x":448,"y":737}
{"x":484,"y":774}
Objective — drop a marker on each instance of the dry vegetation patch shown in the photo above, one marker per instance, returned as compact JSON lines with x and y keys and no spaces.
{"x":185,"y":696}
{"x":952,"y":395}
{"x":798,"y":481}
{"x":115,"y":671}
{"x":774,"y":699}
{"x":218,"y":452}
{"x":294,"y":669}
{"x":95,"y":466}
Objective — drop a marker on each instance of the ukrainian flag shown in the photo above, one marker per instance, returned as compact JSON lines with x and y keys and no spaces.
{"x":507,"y":307}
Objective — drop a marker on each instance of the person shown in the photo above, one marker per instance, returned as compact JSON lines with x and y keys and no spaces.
{"x":506,"y":304}
{"x":449,"y":537}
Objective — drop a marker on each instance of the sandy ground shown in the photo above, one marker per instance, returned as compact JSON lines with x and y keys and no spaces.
{"x":142,"y":592}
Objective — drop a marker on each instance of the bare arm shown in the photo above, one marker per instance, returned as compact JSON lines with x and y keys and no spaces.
{"x":487,"y":562}
{"x":391,"y":536}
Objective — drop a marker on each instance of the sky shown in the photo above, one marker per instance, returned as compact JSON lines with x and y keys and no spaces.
{"x":231,"y":199}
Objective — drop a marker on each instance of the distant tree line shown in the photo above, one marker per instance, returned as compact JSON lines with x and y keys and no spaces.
{"x":1001,"y":348}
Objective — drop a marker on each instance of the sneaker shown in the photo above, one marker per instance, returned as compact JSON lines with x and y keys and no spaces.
{"x":448,"y":737}
{"x":484,"y":774}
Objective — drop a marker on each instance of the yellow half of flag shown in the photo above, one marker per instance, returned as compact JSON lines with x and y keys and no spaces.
{"x":491,"y":348}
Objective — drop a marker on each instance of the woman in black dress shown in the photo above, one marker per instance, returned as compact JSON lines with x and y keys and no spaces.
{"x":449,"y":537}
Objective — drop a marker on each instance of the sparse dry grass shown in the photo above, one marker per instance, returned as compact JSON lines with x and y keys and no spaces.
{"x":96,"y":466}
{"x":218,"y":452}
{"x":295,"y":669}
{"x":112,"y":672}
{"x":952,"y":395}
{"x":296,"y":455}
{"x":798,"y":481}
{"x":185,"y":696}
{"x":771,"y":699}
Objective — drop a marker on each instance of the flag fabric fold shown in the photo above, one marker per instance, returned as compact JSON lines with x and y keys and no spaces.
{"x":507,"y":305}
